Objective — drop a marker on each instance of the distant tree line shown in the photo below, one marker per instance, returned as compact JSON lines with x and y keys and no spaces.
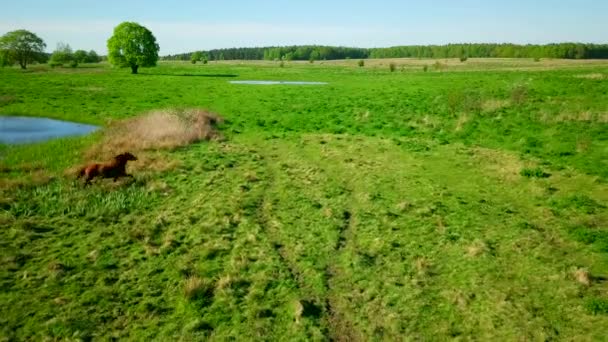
{"x":256,"y":53}
{"x":561,"y":50}
{"x":297,"y":53}
{"x":314,"y":52}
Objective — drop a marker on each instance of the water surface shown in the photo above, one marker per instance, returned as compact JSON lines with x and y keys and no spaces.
{"x":23,"y":129}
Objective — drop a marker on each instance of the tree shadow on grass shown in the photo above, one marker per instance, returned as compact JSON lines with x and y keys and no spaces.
{"x":194,"y":75}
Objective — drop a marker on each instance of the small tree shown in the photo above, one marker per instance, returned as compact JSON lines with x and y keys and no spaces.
{"x":392,"y":67}
{"x":81,"y":56}
{"x":21,"y":47}
{"x":361,"y":63}
{"x":63,"y":55}
{"x":132,"y":45}
{"x":93,"y":57}
{"x":196,"y":56}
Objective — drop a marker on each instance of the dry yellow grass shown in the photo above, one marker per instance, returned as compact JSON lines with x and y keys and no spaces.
{"x":33,"y":176}
{"x":476,"y":248}
{"x":192,"y":285}
{"x":494,"y":105}
{"x":582,"y":276}
{"x":195,"y":287}
{"x":162,"y":129}
{"x":502,"y":164}
{"x":593,"y":76}
{"x":584,"y":116}
{"x":461,"y":122}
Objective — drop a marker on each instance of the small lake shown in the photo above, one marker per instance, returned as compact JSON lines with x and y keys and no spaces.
{"x":23,"y":129}
{"x":278,"y":82}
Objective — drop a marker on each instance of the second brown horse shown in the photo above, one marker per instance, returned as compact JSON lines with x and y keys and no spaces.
{"x":113,"y":169}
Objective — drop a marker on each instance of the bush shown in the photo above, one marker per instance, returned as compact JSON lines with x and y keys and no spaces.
{"x":463,"y":59}
{"x":193,"y":61}
{"x":361,"y":63}
{"x":534,"y":173}
{"x":63,"y":55}
{"x":597,"y":306}
{"x":392,"y":67}
{"x":466,"y":101}
{"x":92,"y":57}
{"x":205,"y":61}
{"x":425,"y":68}
{"x":282,"y":64}
{"x":80,"y":56}
{"x":519,"y":94}
{"x":439,"y":66}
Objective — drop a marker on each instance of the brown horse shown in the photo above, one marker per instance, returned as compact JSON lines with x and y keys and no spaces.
{"x":113,"y":169}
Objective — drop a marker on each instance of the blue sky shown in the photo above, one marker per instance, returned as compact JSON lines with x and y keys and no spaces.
{"x":183,"y":26}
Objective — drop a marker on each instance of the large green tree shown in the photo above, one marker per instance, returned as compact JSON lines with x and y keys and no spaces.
{"x":21,"y":47}
{"x":132,"y":45}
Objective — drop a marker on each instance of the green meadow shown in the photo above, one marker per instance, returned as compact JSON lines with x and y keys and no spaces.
{"x":461,"y":200}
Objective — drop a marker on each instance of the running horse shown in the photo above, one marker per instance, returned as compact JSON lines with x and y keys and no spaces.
{"x":112,"y":169}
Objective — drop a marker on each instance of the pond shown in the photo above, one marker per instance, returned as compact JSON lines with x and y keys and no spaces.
{"x":278,"y":82}
{"x":22,"y":129}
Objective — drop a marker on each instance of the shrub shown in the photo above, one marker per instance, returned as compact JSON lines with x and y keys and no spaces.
{"x":63,"y":55}
{"x":197,"y":288}
{"x":534,"y":173}
{"x":361,"y":63}
{"x":157,"y":130}
{"x":537,"y":59}
{"x":597,"y":306}
{"x":282,"y":64}
{"x":425,"y":68}
{"x":439,"y":66}
{"x":93,"y":57}
{"x":392,"y":67}
{"x":519,"y":94}
{"x":464,"y":101}
{"x":463,"y":59}
{"x":205,"y":61}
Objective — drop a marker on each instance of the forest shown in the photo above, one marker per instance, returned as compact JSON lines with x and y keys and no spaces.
{"x":318,"y":52}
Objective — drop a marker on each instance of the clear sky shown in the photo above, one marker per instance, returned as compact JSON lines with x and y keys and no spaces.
{"x":184,"y":26}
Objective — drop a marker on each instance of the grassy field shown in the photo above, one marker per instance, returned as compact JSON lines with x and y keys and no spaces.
{"x":469,"y":201}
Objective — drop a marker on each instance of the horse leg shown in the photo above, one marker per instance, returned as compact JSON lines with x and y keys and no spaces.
{"x":89,"y":176}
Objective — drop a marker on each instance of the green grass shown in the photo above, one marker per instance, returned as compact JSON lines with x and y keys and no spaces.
{"x":384,"y":205}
